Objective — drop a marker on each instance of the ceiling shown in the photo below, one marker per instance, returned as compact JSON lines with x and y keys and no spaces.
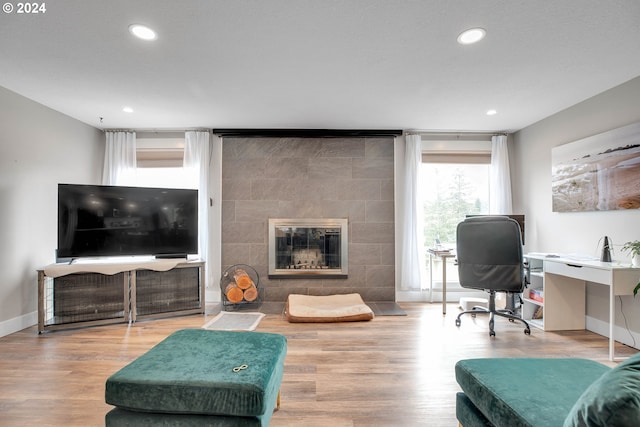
{"x":331,"y":64}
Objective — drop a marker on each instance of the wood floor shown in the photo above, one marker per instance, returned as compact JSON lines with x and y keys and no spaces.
{"x":392,"y":371}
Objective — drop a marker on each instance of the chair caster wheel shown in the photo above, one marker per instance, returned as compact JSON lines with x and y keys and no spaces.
{"x":492,"y":333}
{"x":458,"y":322}
{"x":527,"y":331}
{"x":511,"y":320}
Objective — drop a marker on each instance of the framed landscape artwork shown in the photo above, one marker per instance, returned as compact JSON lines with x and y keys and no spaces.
{"x":598,"y":173}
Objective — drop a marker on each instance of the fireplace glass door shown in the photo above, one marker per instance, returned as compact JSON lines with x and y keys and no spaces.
{"x":306,"y":247}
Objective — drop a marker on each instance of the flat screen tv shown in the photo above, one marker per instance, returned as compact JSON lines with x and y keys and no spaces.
{"x":107,"y":221}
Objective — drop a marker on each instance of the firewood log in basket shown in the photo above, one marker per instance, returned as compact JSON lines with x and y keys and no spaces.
{"x":239,"y":284}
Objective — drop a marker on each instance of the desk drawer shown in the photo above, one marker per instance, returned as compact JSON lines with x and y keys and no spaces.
{"x":589,"y":274}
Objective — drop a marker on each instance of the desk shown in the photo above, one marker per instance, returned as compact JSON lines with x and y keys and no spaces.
{"x":443,"y":255}
{"x":564,"y":282}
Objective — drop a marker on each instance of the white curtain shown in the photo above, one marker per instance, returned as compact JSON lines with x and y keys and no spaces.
{"x":412,"y":257}
{"x":196,"y":162}
{"x":500,"y":177}
{"x":119,"y":159}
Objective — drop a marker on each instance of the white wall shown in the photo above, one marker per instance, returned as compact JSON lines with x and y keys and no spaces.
{"x":39,"y":148}
{"x":577,"y":232}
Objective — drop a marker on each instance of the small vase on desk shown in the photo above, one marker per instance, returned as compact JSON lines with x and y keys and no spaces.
{"x":635,"y":260}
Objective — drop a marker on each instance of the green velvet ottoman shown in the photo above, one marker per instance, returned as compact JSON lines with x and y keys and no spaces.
{"x":200,"y":377}
{"x":547,"y":393}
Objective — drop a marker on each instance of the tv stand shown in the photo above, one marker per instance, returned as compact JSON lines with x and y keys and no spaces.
{"x":106,"y":292}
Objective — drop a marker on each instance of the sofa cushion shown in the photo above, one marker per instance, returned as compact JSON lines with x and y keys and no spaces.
{"x":612,"y":400}
{"x":467,"y":414}
{"x":517,"y":391}
{"x":192,"y":372}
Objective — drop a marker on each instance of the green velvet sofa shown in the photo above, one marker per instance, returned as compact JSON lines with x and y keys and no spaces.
{"x":539,"y":392}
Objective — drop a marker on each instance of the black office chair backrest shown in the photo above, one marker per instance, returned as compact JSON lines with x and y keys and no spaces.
{"x":489,"y":254}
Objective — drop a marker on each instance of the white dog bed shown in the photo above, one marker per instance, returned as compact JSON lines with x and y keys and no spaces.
{"x":328,"y":308}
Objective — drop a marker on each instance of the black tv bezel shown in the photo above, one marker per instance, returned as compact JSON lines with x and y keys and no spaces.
{"x":68,"y":254}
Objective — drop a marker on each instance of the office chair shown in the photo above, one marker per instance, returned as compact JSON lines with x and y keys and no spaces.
{"x":489,"y":254}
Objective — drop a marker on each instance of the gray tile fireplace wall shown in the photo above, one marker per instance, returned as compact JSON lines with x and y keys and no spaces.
{"x":350,"y":178}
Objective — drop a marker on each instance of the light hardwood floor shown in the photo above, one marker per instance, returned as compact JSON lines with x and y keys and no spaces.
{"x":391,"y":371}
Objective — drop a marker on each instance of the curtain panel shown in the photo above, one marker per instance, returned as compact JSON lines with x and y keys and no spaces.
{"x":500,"y":202}
{"x":119,"y":159}
{"x":196,"y":162}
{"x":412,"y":256}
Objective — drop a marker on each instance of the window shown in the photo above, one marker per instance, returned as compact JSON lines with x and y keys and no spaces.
{"x":455,"y":181}
{"x":165,"y":177}
{"x":160,"y":162}
{"x":452,"y":191}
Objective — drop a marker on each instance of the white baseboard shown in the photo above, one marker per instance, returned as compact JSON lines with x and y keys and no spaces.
{"x":453,"y":295}
{"x":620,"y":334}
{"x":18,"y":323}
{"x":212,"y":296}
{"x":412,"y":296}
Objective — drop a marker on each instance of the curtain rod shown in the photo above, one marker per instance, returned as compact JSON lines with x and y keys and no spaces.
{"x":307,"y":133}
{"x":461,"y":133}
{"x":158,"y":130}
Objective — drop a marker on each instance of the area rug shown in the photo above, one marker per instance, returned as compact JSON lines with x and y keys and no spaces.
{"x":386,"y":308}
{"x":233,"y":321}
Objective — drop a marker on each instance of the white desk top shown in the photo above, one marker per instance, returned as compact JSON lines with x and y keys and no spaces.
{"x":442,"y":253}
{"x":580,"y":260}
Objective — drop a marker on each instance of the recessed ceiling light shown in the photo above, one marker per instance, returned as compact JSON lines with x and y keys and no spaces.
{"x":127,"y":110}
{"x":491,"y":112}
{"x":472,"y":35}
{"x":142,"y":32}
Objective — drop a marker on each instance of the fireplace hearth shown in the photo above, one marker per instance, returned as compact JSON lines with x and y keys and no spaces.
{"x":308,"y":248}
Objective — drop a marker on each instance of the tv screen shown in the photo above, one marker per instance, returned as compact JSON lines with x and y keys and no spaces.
{"x":102,"y":221}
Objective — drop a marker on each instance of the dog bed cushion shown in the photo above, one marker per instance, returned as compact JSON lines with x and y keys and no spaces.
{"x":327,"y":308}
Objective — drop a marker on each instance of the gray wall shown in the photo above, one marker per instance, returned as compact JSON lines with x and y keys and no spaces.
{"x":350,"y":178}
{"x":39,"y":148}
{"x":577,"y":232}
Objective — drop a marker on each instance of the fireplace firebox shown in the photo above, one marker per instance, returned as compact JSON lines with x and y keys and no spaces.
{"x":308,"y":248}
